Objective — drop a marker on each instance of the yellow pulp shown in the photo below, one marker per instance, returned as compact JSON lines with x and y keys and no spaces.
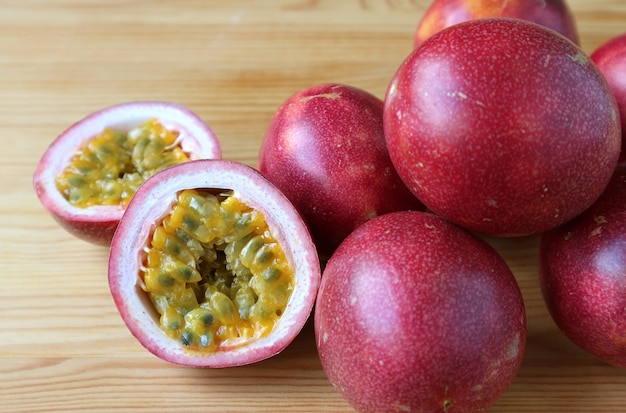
{"x":214,"y":272}
{"x":110,"y":168}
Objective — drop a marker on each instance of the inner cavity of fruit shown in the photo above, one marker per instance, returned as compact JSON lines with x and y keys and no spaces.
{"x":112,"y":165}
{"x":214,"y":272}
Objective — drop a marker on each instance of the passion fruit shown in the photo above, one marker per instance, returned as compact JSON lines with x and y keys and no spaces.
{"x":325,"y":149}
{"x":610,"y":57}
{"x":415,"y":314}
{"x":553,"y":14}
{"x":583,"y":275}
{"x":212,"y":266}
{"x":89,"y":173}
{"x":502,"y":126}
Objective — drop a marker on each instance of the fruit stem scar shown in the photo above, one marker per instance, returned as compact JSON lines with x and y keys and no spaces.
{"x":447,"y":404}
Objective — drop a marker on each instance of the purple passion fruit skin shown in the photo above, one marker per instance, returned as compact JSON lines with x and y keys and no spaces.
{"x":583,"y":275}
{"x":610,"y":58}
{"x":97,"y":223}
{"x":553,"y":14}
{"x":130,"y":256}
{"x":416,"y":314}
{"x":502,"y":126}
{"x":325,"y":149}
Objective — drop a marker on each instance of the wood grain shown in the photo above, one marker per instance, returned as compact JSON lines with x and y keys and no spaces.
{"x":63,"y":346}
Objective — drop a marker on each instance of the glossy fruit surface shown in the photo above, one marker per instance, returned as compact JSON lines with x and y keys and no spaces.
{"x":583,"y":275}
{"x":212,"y":266}
{"x":554,"y":14}
{"x":415,"y":314}
{"x":325,"y":149}
{"x":88,"y":174}
{"x":502,"y":126}
{"x":610,"y":57}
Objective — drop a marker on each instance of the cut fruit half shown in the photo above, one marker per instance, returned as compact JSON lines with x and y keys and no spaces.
{"x":89,"y":173}
{"x":212,"y":266}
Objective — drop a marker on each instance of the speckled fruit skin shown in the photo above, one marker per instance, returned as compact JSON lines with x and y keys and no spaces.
{"x":610,"y":57}
{"x":325,"y":149}
{"x":502,"y":126}
{"x":97,"y":224}
{"x":583,"y":275}
{"x":416,"y":314}
{"x":554,"y":14}
{"x":152,"y":202}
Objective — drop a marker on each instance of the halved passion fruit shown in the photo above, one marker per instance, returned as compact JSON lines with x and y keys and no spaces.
{"x":212,"y":266}
{"x":90,"y":172}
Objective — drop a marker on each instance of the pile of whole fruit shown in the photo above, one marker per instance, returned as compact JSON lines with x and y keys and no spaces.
{"x":494,"y":124}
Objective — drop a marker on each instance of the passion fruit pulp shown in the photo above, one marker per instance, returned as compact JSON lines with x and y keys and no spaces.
{"x":212,"y":266}
{"x":89,"y":173}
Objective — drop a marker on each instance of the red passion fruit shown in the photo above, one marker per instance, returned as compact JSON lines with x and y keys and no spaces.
{"x":90,"y":172}
{"x":554,"y":14}
{"x":502,"y":126}
{"x":325,"y":149}
{"x":212,"y":266}
{"x":416,"y":314}
{"x":610,"y":58}
{"x":583,"y":275}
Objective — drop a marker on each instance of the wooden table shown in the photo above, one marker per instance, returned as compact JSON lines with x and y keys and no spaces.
{"x":63,"y":346}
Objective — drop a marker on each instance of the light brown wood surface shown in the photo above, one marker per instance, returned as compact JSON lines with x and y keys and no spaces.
{"x":63,"y":346}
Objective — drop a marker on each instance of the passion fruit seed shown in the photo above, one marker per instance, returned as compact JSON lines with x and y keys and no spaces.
{"x":110,"y":168}
{"x":214,"y":272}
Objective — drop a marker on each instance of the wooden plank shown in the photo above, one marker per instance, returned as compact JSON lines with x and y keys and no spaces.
{"x":63,"y":346}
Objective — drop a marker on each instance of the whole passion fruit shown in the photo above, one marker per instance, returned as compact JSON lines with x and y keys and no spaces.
{"x":325,"y":149}
{"x":610,"y":57}
{"x":90,"y":172}
{"x":583,"y":275}
{"x":554,"y":14}
{"x":212,"y":266}
{"x":415,"y":314}
{"x":502,"y":126}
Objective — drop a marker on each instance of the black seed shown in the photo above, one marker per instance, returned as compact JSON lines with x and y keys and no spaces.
{"x":271,"y":274}
{"x":244,"y":221}
{"x":207,"y":319}
{"x":190,"y":223}
{"x":166,"y":280}
{"x":172,"y":247}
{"x":185,"y":272}
{"x":187,"y":338}
{"x":103,"y":151}
{"x":206,"y":339}
{"x":174,"y":325}
{"x":243,"y":226}
{"x":253,"y":246}
{"x":182,"y":235}
{"x":76,"y":180}
{"x":264,"y":255}
{"x":244,"y":300}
